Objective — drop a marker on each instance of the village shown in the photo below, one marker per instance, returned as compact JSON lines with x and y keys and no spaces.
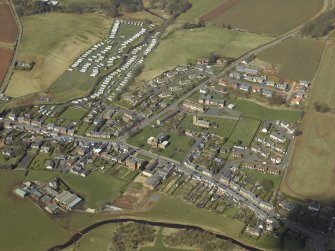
{"x":181,"y":132}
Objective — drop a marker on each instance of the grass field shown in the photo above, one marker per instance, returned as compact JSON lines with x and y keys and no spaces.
{"x":183,"y":45}
{"x":225,"y":126}
{"x":298,"y":58}
{"x":245,"y":131}
{"x":311,"y":172}
{"x":95,"y":188}
{"x":21,"y":217}
{"x":74,"y":114}
{"x":199,"y":8}
{"x":177,"y":149}
{"x":269,"y":16}
{"x":53,"y":42}
{"x":253,"y":110}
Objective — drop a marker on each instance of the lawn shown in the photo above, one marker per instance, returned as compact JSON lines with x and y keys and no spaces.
{"x":21,"y":217}
{"x":199,"y":8}
{"x":53,"y":41}
{"x":250,"y":109}
{"x":245,"y":131}
{"x":95,"y":188}
{"x":177,"y":149}
{"x":298,"y":58}
{"x":224,"y":129}
{"x":184,"y":45}
{"x":74,"y":114}
{"x":310,"y":174}
{"x":269,"y":16}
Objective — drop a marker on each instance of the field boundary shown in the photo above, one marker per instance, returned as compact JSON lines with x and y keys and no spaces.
{"x":218,"y":10}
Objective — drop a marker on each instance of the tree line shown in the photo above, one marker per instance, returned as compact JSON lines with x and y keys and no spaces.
{"x":321,"y":26}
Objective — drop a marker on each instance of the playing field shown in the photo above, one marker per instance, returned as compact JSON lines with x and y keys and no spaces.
{"x":311,"y":172}
{"x":199,"y":8}
{"x":74,"y":114}
{"x":21,"y":217}
{"x":53,"y":42}
{"x":265,"y":16}
{"x":252,"y":110}
{"x":6,"y":55}
{"x":184,"y":45}
{"x":298,"y":58}
{"x":8,"y":26}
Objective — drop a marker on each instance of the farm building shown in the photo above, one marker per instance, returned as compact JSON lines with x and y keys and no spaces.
{"x":68,"y":199}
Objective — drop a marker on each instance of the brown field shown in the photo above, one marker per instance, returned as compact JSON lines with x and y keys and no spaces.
{"x":311,"y":171}
{"x":8,"y":26}
{"x":265,"y":16}
{"x":6,"y":55}
{"x":219,"y":10}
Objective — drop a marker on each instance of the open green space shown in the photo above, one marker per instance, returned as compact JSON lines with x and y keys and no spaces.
{"x":253,"y":110}
{"x":224,"y":126}
{"x":244,"y":131}
{"x":199,"y":8}
{"x":177,"y":149}
{"x":21,"y":217}
{"x":269,"y":16}
{"x":74,"y":114}
{"x":184,"y":45}
{"x":96,"y":188}
{"x":310,"y":174}
{"x":53,"y":41}
{"x":298,"y":58}
{"x":276,"y":179}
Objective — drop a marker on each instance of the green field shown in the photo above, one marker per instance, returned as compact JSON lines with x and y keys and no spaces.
{"x":74,"y":114}
{"x":276,"y":179}
{"x":253,"y":110}
{"x":199,"y":8}
{"x":53,"y":41}
{"x":269,"y":16}
{"x":298,"y":58}
{"x":245,"y":131}
{"x":95,"y":188}
{"x":310,"y":174}
{"x":225,"y":126}
{"x":184,"y":45}
{"x":21,"y":217}
{"x":177,"y":149}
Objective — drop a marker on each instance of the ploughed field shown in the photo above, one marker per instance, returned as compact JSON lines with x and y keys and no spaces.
{"x":8,"y":36}
{"x":264,"y":16}
{"x":8,"y":26}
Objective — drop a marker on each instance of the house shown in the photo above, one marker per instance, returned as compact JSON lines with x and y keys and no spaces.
{"x":286,"y":205}
{"x":264,"y":153}
{"x":266,"y":205}
{"x":193,"y":106}
{"x":222,"y":82}
{"x":9,"y":152}
{"x":314,"y":206}
{"x":266,"y":127}
{"x":200,"y":122}
{"x":244,"y":87}
{"x":256,"y":89}
{"x":304,"y":83}
{"x":296,"y":101}
{"x":203,"y":90}
{"x":253,"y":231}
{"x":267,"y":93}
{"x":21,"y":191}
{"x":277,"y":137}
{"x":50,"y":164}
{"x":131,"y":163}
{"x":283,"y":87}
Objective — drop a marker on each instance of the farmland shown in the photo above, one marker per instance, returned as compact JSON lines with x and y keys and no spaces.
{"x":8,"y":26}
{"x":266,"y":16}
{"x":6,"y":55}
{"x":53,"y":46}
{"x":198,"y":9}
{"x":253,"y":110}
{"x":190,"y":45}
{"x":22,"y":217}
{"x":310,"y":174}
{"x":298,"y":58}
